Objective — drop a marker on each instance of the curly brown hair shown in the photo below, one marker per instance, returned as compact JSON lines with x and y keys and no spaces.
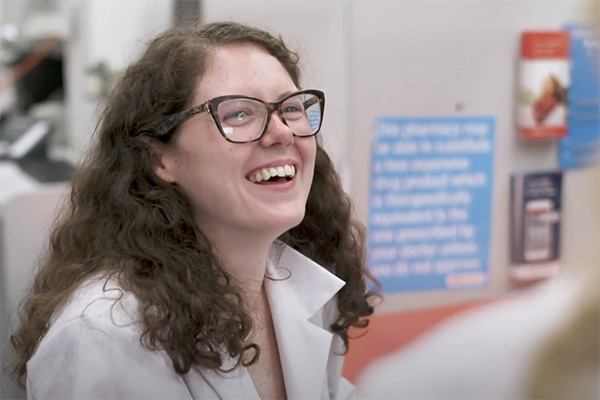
{"x":124,"y":221}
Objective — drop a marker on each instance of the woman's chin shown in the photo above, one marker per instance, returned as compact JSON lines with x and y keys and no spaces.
{"x":282,"y":223}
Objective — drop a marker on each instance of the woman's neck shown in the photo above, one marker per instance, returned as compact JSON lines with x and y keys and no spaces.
{"x":246,"y":262}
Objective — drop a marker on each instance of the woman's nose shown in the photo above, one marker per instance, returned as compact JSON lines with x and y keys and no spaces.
{"x":277,"y":132}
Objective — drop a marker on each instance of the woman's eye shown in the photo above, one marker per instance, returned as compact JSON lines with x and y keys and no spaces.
{"x":292,"y":108}
{"x":237,"y":115}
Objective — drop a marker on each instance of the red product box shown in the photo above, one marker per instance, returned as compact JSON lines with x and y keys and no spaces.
{"x":543,"y":85}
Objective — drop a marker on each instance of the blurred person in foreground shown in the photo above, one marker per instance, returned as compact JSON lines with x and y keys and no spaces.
{"x":208,"y":250}
{"x":540,"y":344}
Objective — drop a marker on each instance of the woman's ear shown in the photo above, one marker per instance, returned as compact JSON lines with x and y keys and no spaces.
{"x":161,"y":159}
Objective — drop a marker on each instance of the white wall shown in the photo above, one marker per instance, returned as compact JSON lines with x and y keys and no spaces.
{"x":421,"y":58}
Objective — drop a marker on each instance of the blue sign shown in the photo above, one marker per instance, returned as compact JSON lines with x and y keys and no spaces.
{"x":581,"y":146}
{"x":430,"y":203}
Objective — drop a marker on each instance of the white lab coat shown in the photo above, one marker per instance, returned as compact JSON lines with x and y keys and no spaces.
{"x":92,"y":349}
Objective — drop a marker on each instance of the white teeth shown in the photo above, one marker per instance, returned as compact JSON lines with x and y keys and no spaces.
{"x":266,"y":173}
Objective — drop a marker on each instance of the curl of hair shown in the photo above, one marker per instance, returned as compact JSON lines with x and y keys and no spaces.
{"x":126,"y":223}
{"x":330,"y":236}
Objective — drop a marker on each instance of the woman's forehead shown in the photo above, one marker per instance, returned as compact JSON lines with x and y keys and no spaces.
{"x":242,"y":68}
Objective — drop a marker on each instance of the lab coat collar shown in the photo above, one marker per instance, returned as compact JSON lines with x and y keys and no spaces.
{"x":297,"y":288}
{"x":294,"y":278}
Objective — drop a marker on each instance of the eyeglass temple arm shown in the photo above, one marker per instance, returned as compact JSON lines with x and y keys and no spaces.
{"x":177,"y":119}
{"x":311,"y":101}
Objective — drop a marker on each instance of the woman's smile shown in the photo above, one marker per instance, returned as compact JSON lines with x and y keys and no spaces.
{"x":273,"y":174}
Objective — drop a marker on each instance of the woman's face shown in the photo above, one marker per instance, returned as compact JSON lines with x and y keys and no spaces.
{"x":549,"y":86}
{"x":215,"y":174}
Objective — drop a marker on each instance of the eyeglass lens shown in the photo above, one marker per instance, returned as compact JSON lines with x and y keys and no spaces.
{"x":244,"y":120}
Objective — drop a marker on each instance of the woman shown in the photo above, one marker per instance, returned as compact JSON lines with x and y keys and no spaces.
{"x":553,"y":94}
{"x":186,"y":265}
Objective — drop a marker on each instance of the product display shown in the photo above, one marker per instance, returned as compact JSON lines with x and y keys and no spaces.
{"x":543,"y":85}
{"x":581,"y":147}
{"x":536,"y":204}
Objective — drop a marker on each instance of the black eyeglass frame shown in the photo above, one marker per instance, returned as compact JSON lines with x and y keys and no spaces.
{"x":165,"y":129}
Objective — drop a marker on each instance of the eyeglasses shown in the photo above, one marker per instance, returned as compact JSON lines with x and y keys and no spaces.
{"x":243,"y":119}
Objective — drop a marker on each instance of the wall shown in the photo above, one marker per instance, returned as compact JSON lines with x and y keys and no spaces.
{"x":414,"y":58}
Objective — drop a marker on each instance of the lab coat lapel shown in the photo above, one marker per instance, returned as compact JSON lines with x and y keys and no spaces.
{"x":298,"y":288}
